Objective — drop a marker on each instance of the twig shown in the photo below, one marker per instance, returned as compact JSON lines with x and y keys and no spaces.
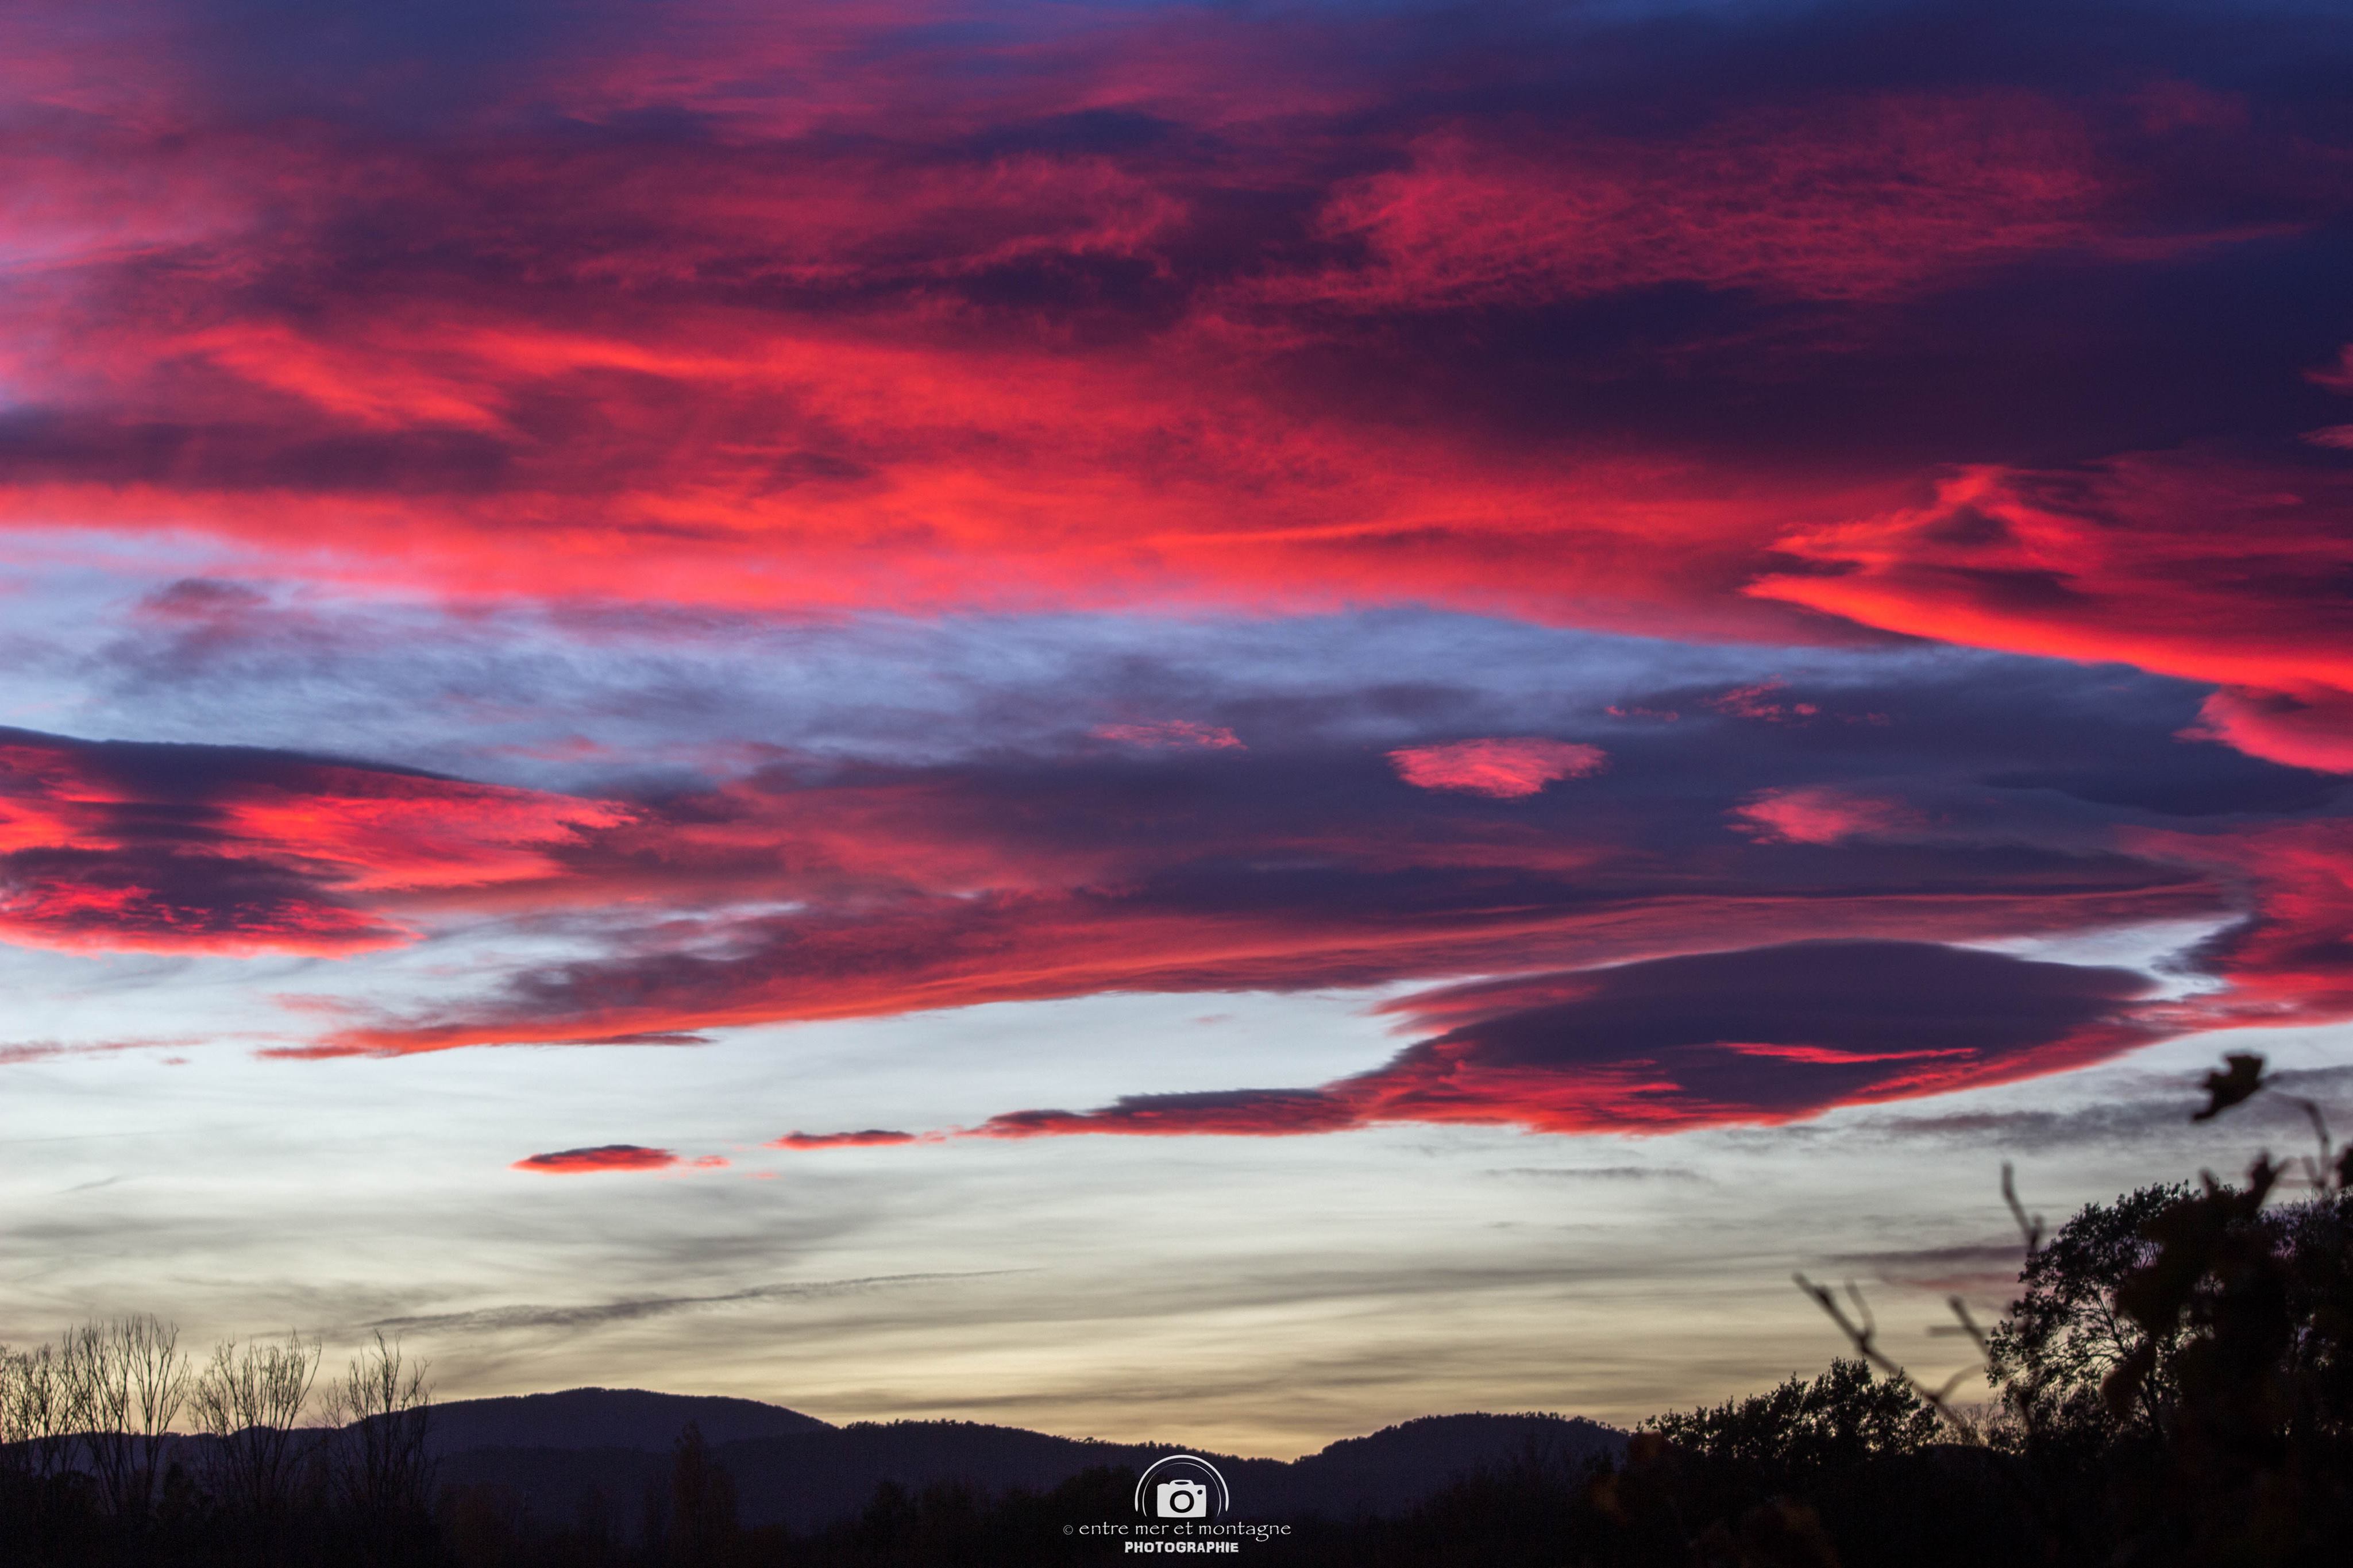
{"x":2030,"y":1228}
{"x":1863,"y":1332}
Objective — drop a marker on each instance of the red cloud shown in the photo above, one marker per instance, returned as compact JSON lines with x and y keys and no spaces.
{"x":1505,"y":769}
{"x":116,"y":846}
{"x":2308,"y":729}
{"x":1862,"y":199}
{"x":1095,"y":322}
{"x":2290,"y":962}
{"x":872,"y":1138}
{"x":1820,"y":814}
{"x":685,"y":459}
{"x":2183,"y":566}
{"x":603,"y":1157}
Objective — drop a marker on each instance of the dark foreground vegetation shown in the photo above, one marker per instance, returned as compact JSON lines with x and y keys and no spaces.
{"x":2175,"y":1382}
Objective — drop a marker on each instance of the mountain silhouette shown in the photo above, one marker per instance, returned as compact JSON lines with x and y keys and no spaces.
{"x":599,"y":1451}
{"x":630,"y":1418}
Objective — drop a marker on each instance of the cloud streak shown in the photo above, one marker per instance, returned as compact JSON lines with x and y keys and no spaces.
{"x":636,"y":1309}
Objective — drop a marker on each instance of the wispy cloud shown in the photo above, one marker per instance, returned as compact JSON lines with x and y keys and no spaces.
{"x":594,"y":1314}
{"x":1604,"y":1173}
{"x":19,"y":1051}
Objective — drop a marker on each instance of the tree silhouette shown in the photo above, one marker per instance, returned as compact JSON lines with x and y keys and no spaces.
{"x":379,"y":1462}
{"x":701,"y":1502}
{"x":2067,"y":1333}
{"x":40,"y":1412}
{"x":250,"y":1399}
{"x":126,"y":1381}
{"x":1802,"y":1429}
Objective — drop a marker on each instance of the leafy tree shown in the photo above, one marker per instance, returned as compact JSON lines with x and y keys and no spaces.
{"x":1801,"y":1429}
{"x":2317,"y":1239}
{"x":2067,"y":1335}
{"x":2204,"y":1341}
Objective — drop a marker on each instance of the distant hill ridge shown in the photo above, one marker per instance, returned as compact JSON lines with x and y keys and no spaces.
{"x":554,"y":1449}
{"x":607,"y":1418}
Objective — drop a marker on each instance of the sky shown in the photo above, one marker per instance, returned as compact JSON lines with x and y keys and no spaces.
{"x":1218,"y":722}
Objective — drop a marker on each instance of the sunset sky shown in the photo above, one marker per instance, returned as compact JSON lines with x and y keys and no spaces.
{"x":1210,"y":722}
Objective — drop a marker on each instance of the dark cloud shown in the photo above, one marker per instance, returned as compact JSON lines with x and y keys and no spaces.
{"x":1219,"y":924}
{"x":1291,"y":861}
{"x":2151,"y":1112}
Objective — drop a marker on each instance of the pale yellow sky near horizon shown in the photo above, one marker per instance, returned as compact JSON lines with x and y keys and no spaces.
{"x":1260,"y":1297}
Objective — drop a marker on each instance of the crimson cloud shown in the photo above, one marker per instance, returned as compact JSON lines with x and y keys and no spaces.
{"x":1503,"y":768}
{"x":603,"y":1157}
{"x":1282,"y":320}
{"x":872,"y":1138}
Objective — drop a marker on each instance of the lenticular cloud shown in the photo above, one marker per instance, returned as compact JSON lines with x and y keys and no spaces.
{"x":1763,"y":1035}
